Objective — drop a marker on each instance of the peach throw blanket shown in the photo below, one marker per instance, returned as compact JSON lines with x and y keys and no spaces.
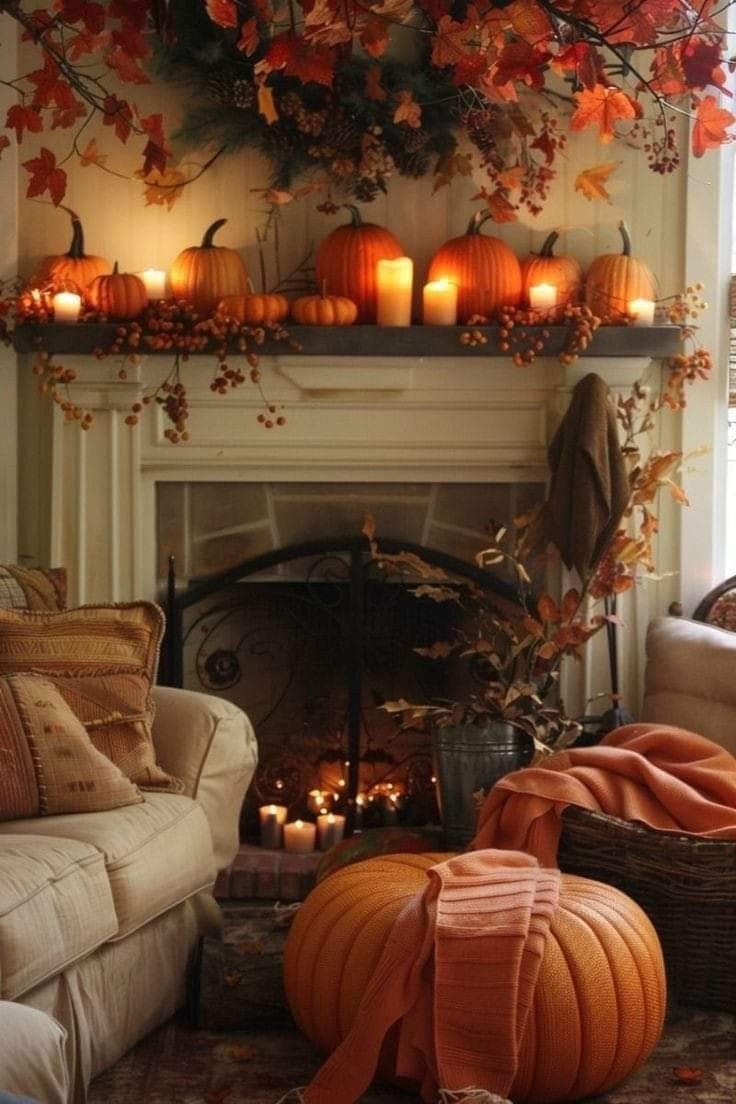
{"x":474,"y":939}
{"x":665,"y":777}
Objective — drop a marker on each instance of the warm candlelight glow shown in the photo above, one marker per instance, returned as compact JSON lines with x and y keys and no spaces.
{"x":393,"y":288}
{"x":155,"y":281}
{"x":36,"y":297}
{"x":67,"y":306}
{"x":272,"y":818}
{"x":440,"y":303}
{"x":299,"y":837}
{"x":542,"y":296}
{"x":330,"y":829}
{"x":642,"y":311}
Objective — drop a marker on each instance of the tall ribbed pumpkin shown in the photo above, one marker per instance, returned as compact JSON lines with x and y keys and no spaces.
{"x":204,"y":274}
{"x":73,"y":269}
{"x":486,"y":271}
{"x":562,"y":272}
{"x":599,"y":1002}
{"x":346,"y":261}
{"x":614,"y":279}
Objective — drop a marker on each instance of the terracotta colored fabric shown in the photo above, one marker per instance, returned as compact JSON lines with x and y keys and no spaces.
{"x":590,"y":488}
{"x":473,"y":939}
{"x":664,"y":777}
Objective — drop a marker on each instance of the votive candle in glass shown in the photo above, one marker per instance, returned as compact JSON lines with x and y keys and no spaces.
{"x":299,"y":837}
{"x":66,"y":306}
{"x":330,"y":829}
{"x":642,"y":311}
{"x":439,"y":299}
{"x":273,"y":818}
{"x":542,"y":296}
{"x":394,"y":279}
{"x":155,"y":281}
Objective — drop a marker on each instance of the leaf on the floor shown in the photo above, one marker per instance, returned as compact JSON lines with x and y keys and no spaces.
{"x":688,"y":1075}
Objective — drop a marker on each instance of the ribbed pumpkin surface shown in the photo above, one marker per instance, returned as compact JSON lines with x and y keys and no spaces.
{"x":346,"y":263}
{"x":120,"y":295}
{"x":613,"y":280}
{"x":204,"y":276}
{"x":486,"y":271}
{"x":599,"y":1002}
{"x":562,"y":272}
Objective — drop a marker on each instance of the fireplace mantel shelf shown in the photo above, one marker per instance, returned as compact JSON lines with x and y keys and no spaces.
{"x":375,"y":341}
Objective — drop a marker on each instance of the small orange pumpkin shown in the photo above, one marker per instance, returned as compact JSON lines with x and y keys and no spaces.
{"x":614,"y":279}
{"x":324,"y":310}
{"x":204,"y":274}
{"x":346,"y":261}
{"x":73,"y":270}
{"x":256,"y":310}
{"x":563,"y":272}
{"x":120,"y":295}
{"x":486,"y":271}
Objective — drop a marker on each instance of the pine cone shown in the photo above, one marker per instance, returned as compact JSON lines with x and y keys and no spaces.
{"x":482,"y":131}
{"x":290,"y":104}
{"x":365,"y":191}
{"x":341,"y":133}
{"x":413,"y":164}
{"x":416,"y":141}
{"x":220,"y":88}
{"x":311,"y":122}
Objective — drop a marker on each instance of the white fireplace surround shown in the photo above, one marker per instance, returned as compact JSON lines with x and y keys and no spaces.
{"x":388,"y":419}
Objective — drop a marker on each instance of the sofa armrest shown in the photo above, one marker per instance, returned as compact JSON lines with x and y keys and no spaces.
{"x":209,"y":743}
{"x":690,"y":678}
{"x":32,"y":1055}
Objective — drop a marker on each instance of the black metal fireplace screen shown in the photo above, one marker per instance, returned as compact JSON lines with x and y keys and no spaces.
{"x":311,"y":639}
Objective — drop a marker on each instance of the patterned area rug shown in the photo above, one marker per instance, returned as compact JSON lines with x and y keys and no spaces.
{"x":179,"y":1064}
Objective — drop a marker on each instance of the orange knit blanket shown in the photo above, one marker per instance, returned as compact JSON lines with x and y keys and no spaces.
{"x":666,"y":778}
{"x":473,"y":939}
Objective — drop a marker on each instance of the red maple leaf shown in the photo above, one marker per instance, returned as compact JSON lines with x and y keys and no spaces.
{"x":156,"y":152}
{"x":92,"y":15}
{"x":309,"y":64}
{"x":51,"y":88}
{"x":469,"y":68}
{"x":131,"y":41}
{"x":133,"y":13}
{"x":126,"y":67}
{"x":249,"y":37}
{"x":64,"y":117}
{"x":701,"y":63}
{"x":21,"y":119}
{"x":222,"y":12}
{"x":46,"y":176}
{"x":583,"y":60}
{"x":84,"y":43}
{"x":711,"y":124}
{"x":603,"y":107}
{"x":518,"y":61}
{"x":117,"y":114}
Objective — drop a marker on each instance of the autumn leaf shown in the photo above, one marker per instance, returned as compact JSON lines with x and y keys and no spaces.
{"x":374,"y":37}
{"x":222,"y":12}
{"x":82,"y":11}
{"x":21,"y":118}
{"x":297,"y":58}
{"x":117,"y":114}
{"x":711,"y":123}
{"x":449,"y":166}
{"x":373,"y":87}
{"x":46,"y":176}
{"x":591,"y":182}
{"x":449,"y":41}
{"x":547,"y":608}
{"x":529,"y":20}
{"x":156,"y":152}
{"x":502,"y":210}
{"x":512,"y":178}
{"x":266,"y":104}
{"x":163,"y":189}
{"x":408,"y":111}
{"x":249,"y":37}
{"x":4,"y":143}
{"x":687,"y":1075}
{"x":603,"y":107}
{"x":126,"y":66}
{"x":91,"y":155}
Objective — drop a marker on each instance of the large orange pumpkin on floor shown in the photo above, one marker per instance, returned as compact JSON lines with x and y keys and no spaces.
{"x":120,"y":295}
{"x":486,"y":271}
{"x":346,"y":261}
{"x":600,"y":997}
{"x":614,"y":279}
{"x":562,"y":272}
{"x":73,"y":269}
{"x":204,"y":274}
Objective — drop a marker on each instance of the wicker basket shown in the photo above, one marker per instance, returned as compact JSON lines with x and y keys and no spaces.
{"x":685,"y":884}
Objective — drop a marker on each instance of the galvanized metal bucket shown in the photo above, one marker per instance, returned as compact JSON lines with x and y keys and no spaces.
{"x":471,"y":758}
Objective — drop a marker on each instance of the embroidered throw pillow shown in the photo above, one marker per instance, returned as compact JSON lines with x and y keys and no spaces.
{"x":48,"y":764}
{"x":103,"y":660}
{"x":32,"y":588}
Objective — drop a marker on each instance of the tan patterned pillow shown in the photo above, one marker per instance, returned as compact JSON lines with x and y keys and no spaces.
{"x":48,"y":764}
{"x":103,"y":659}
{"x":32,"y":588}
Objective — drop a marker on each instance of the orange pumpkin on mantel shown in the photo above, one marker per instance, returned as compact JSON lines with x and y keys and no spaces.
{"x":255,"y":310}
{"x":73,"y":270}
{"x":346,"y":261}
{"x":599,"y":1001}
{"x":486,"y":271}
{"x":614,"y":279}
{"x":120,"y":295}
{"x":562,"y":272}
{"x":324,"y":310}
{"x":204,"y":274}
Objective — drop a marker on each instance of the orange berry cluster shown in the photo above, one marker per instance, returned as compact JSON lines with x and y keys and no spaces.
{"x":524,"y":333}
{"x":54,"y":381}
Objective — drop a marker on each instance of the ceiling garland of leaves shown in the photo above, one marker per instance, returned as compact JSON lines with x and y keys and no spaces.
{"x":348,"y":93}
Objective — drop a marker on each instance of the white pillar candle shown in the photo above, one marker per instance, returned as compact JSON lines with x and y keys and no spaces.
{"x":299,"y":837}
{"x":642,"y":311}
{"x":393,"y":290}
{"x":66,"y":306}
{"x":155,"y":281}
{"x":330,"y":829}
{"x":542,"y":296}
{"x":440,"y":303}
{"x":273,"y":818}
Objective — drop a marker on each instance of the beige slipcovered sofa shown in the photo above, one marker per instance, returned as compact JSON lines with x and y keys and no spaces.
{"x":690,"y":678}
{"x":99,"y":912}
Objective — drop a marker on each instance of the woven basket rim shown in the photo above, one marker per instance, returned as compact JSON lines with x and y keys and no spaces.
{"x":575,"y":815}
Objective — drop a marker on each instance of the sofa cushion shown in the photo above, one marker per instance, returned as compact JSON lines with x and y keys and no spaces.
{"x":48,"y":764}
{"x":55,"y":906}
{"x":103,"y":659}
{"x":157,"y":854}
{"x":32,"y":1056}
{"x":32,"y":588}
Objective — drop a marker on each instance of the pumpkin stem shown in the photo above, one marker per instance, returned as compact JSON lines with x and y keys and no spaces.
{"x":356,"y":219}
{"x":115,"y":269}
{"x":548,"y":244}
{"x":210,"y":232}
{"x":323,"y":290}
{"x":625,"y":238}
{"x":477,"y":221}
{"x":76,"y":248}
